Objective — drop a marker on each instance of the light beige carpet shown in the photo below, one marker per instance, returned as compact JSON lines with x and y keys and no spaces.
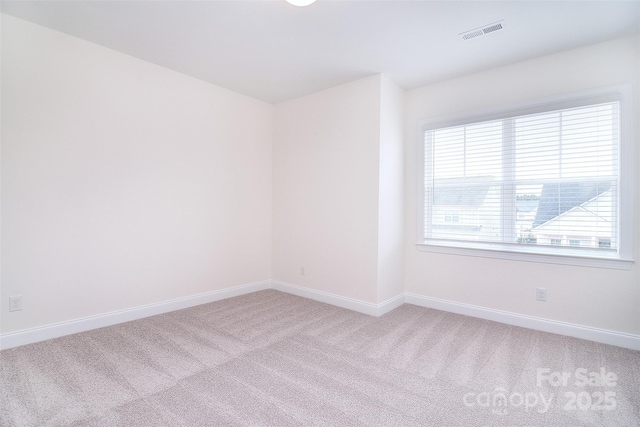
{"x":273,"y":359}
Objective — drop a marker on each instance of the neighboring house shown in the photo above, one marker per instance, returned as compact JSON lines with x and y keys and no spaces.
{"x":460,"y":210}
{"x":526,"y":211}
{"x":585,"y":208}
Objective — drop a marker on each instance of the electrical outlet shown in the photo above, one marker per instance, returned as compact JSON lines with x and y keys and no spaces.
{"x":15,"y":303}
{"x":541,"y":294}
{"x":303,"y":270}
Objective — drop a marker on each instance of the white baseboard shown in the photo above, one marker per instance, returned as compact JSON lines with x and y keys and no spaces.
{"x":28,"y":336}
{"x":537,"y":323}
{"x":604,"y":336}
{"x":391,"y":304}
{"x":340,"y":301}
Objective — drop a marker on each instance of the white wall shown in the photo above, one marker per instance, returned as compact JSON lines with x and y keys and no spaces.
{"x":601,"y":298}
{"x":123,"y":183}
{"x":325,"y":190}
{"x":338,"y":191}
{"x":391,"y":196}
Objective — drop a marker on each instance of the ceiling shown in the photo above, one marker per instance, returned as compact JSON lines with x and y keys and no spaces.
{"x":273,"y":51}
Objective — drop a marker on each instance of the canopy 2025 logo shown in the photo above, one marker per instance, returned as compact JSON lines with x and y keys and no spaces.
{"x":593,"y":397}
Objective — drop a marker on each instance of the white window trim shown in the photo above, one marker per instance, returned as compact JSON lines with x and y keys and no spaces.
{"x":620,"y":259}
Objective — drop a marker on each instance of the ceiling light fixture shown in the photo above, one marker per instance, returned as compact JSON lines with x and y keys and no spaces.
{"x":301,"y":2}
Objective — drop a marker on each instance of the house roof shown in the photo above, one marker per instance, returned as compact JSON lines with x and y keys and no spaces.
{"x":526,"y":205}
{"x":557,"y":199}
{"x":460,"y":196}
{"x":591,"y":218}
{"x":456,"y":192}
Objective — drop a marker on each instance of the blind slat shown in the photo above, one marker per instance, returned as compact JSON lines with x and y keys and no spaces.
{"x":548,"y":179}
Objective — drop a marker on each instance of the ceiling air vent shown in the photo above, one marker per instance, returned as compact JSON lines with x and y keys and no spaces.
{"x":489,"y":28}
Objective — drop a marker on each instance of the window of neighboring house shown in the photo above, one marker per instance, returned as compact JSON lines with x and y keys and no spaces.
{"x":451,"y":216}
{"x":525,"y":175}
{"x":604,"y":243}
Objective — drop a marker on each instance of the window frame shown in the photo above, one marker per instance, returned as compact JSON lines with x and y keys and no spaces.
{"x":622,"y":258}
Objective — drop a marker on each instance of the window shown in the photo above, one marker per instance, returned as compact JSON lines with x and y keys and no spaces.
{"x":518,"y":180}
{"x":451,"y":216}
{"x":604,"y":243}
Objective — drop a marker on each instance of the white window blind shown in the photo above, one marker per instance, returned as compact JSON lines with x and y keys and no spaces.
{"x":548,"y":179}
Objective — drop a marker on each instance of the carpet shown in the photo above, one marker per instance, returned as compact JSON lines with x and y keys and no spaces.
{"x":274,"y":359}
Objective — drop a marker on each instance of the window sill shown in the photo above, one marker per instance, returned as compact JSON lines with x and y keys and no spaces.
{"x":522,"y":254}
